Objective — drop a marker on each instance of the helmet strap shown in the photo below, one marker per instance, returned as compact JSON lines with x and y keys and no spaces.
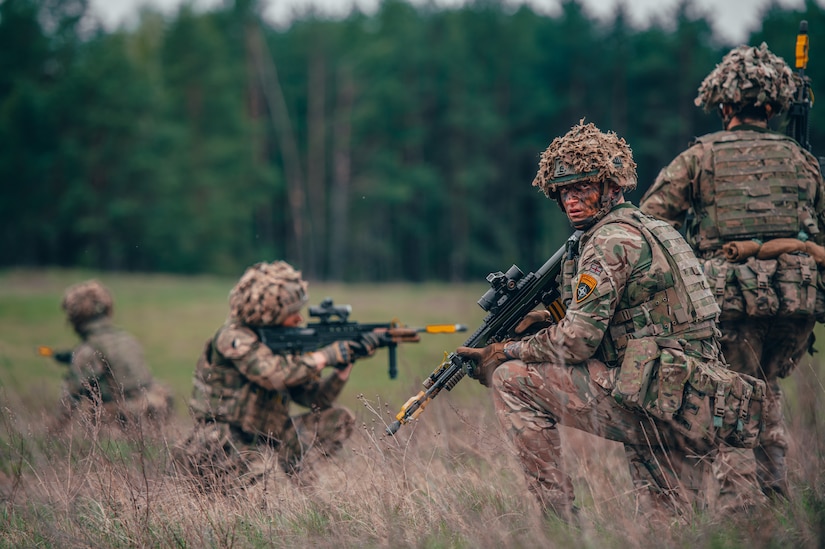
{"x":727,"y":112}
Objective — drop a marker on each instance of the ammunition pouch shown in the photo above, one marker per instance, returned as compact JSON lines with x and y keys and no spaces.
{"x":782,"y":278}
{"x":702,"y":400}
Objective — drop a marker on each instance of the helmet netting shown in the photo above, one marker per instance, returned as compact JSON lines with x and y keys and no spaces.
{"x":267,"y":294}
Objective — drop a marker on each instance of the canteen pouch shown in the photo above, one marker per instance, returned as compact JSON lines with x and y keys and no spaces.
{"x":704,"y":401}
{"x":721,"y":275}
{"x":755,"y":278}
{"x":796,"y":284}
{"x":674,"y":402}
{"x":734,"y":400}
{"x":640,"y":358}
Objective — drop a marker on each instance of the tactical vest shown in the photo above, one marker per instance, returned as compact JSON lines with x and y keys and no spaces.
{"x":682,"y":305}
{"x":126,"y":373}
{"x":221,"y":393}
{"x":755,"y":190}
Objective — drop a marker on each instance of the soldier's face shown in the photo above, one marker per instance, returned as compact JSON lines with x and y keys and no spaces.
{"x":581,"y":201}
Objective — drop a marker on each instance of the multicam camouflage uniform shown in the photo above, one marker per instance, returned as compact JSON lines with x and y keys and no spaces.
{"x":630,"y":277}
{"x":242,"y":392}
{"x":743,"y":184}
{"x":108,"y":379}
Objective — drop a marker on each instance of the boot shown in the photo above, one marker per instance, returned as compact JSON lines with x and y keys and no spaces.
{"x":771,"y":471}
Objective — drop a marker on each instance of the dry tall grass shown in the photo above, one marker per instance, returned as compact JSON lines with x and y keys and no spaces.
{"x":448,"y":480}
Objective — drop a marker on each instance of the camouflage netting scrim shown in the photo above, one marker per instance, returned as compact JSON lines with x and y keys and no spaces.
{"x":585,"y":153}
{"x":86,"y":301}
{"x":267,"y":294}
{"x":748,"y":75}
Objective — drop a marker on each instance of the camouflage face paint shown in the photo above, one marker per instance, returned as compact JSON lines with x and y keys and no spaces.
{"x":581,"y":202}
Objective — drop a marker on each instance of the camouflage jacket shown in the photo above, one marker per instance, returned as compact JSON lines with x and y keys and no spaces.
{"x":633,"y":276}
{"x":240,"y":381}
{"x":740,"y":184}
{"x":109,"y":360}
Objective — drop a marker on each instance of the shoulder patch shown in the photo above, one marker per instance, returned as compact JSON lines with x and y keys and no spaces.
{"x":235,"y":343}
{"x":595,"y":268}
{"x":587,"y":283}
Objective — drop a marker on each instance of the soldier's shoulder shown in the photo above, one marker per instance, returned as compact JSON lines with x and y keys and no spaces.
{"x":234,"y":340}
{"x":712,"y":137}
{"x":614,"y":238}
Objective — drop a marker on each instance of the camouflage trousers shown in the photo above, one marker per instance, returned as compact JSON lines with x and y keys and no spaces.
{"x":769,"y":349}
{"x":532,"y":399}
{"x":150,"y":406}
{"x":221,"y":456}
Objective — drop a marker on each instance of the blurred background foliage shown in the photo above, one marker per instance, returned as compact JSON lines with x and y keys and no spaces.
{"x":395,"y":146}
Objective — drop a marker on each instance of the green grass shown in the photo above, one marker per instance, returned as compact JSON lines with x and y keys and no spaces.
{"x":174,"y":316}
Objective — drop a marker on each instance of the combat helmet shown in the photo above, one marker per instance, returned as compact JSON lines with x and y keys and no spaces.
{"x":267,"y":294}
{"x":87,"y":301}
{"x":586,"y":154}
{"x":748,"y":75}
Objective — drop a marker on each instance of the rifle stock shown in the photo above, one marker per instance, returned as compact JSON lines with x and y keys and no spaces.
{"x":512,"y":295}
{"x":334,"y":325}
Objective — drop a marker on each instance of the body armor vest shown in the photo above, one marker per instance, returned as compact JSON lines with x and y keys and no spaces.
{"x":754,"y":190}
{"x":126,"y":371}
{"x":222,"y":394}
{"x":681,"y":304}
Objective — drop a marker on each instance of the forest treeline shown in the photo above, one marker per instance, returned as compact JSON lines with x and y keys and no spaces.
{"x":395,"y":145}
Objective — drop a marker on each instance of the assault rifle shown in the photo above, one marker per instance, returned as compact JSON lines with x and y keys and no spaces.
{"x":798,"y":115}
{"x":334,"y":325}
{"x":64,"y":357}
{"x":512,"y":295}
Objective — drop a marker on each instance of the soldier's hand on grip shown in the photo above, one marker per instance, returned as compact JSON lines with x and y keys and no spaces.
{"x":486,"y":360}
{"x":534,"y":321}
{"x":341,"y":353}
{"x":368,"y":343}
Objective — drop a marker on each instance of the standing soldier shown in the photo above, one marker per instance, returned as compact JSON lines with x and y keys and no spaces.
{"x":753,"y":204}
{"x":107,"y":377}
{"x":242,"y":390}
{"x":639,"y":328}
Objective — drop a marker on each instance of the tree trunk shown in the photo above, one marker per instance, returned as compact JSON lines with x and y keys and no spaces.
{"x":286,"y":139}
{"x":341,"y":181}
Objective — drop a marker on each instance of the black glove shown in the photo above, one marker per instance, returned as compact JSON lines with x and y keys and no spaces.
{"x":486,"y":360}
{"x":368,"y":343}
{"x":63,"y":356}
{"x":534,"y":321}
{"x":341,"y":353}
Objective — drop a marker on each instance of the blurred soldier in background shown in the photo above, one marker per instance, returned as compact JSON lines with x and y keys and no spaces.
{"x":640,"y":325}
{"x":753,"y":207}
{"x":242,"y":390}
{"x":107,"y":380}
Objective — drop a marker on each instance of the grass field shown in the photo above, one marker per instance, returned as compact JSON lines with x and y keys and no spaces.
{"x":448,"y":480}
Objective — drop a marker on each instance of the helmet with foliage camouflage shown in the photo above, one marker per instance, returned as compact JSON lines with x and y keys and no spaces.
{"x":267,"y":294}
{"x":86,"y":301}
{"x":748,"y":75}
{"x":585,"y":154}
